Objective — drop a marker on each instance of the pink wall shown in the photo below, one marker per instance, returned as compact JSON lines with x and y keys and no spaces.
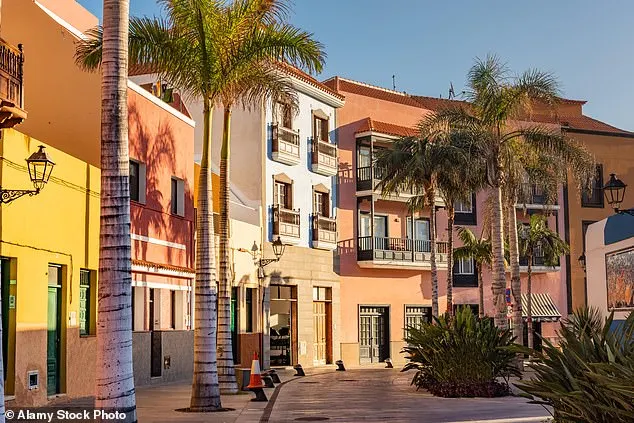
{"x":165,"y":144}
{"x":398,"y":288}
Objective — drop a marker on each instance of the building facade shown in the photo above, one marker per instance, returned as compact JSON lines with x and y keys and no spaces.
{"x":384,"y":248}
{"x":62,"y":276}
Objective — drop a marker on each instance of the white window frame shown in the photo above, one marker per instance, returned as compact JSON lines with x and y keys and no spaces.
{"x":460,"y":266}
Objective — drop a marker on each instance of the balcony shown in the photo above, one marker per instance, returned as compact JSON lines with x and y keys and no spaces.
{"x":368,"y":179}
{"x":286,"y":224}
{"x":536,"y":198}
{"x":285,"y":145}
{"x":324,"y":232}
{"x":324,"y":159}
{"x":398,"y":253}
{"x":539,"y":265}
{"x":11,"y":84}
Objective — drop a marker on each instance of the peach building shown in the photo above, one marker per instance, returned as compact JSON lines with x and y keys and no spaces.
{"x":384,"y":260}
{"x":63,"y":104}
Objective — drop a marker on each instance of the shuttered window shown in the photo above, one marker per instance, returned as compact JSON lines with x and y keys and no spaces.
{"x":84,"y":302}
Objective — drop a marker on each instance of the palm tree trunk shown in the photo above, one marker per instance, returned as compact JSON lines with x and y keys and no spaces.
{"x":226,"y":369}
{"x":516,"y":281}
{"x":205,"y":388}
{"x":114,"y":377}
{"x":450,"y":220}
{"x":431,"y":196}
{"x":480,"y":293}
{"x":499,"y":277}
{"x":529,"y":302}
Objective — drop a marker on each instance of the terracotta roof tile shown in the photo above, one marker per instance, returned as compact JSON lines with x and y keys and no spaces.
{"x":301,"y":75}
{"x":369,"y":124}
{"x":578,"y":122}
{"x":354,"y":87}
{"x":162,"y":266}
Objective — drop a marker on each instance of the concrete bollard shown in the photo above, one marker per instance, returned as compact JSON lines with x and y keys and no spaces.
{"x":340,"y":366}
{"x":388,"y":363}
{"x":300,"y":371}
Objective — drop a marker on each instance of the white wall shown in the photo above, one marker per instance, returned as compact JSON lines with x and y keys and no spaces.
{"x":596,"y":251}
{"x":301,"y":174}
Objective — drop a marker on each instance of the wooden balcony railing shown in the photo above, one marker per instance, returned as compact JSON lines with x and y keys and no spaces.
{"x":398,"y":249}
{"x":286,"y":222}
{"x":11,"y":85}
{"x":367,"y":179}
{"x":324,"y":229}
{"x":324,"y":158}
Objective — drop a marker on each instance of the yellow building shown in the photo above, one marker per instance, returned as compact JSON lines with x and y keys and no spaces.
{"x":49,"y":253}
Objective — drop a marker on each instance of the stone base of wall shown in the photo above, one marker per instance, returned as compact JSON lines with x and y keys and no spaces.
{"x":177,"y":345}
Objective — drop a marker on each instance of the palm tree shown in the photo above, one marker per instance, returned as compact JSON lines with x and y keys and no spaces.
{"x":461,"y":175}
{"x":114,"y":376}
{"x":250,"y":77}
{"x":536,"y":240}
{"x":480,"y":250}
{"x":497,"y":102}
{"x":412,"y":165}
{"x":192,"y":51}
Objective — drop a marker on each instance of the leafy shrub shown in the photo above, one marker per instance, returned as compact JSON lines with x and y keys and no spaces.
{"x":589,"y":377}
{"x":461,"y":356}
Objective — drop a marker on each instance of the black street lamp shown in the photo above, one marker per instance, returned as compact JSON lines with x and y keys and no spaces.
{"x":40,"y":168}
{"x":614,"y":192}
{"x":278,"y":250}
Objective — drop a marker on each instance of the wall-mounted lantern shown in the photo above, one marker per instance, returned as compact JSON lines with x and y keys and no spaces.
{"x":40,"y":168}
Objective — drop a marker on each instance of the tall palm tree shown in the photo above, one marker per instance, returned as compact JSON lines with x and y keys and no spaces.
{"x":460,"y":177}
{"x":537,"y":240}
{"x":497,"y":102}
{"x":114,"y":376}
{"x":250,"y":77}
{"x":412,"y":165}
{"x":190,"y":49}
{"x":481,"y":252}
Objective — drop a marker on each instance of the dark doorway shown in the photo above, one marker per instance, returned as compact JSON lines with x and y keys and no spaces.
{"x":537,"y":340}
{"x":54,"y":330}
{"x":156,"y":340}
{"x":374,"y":338}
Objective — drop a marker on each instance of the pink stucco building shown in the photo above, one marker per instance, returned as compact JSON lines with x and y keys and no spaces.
{"x":385,"y":266}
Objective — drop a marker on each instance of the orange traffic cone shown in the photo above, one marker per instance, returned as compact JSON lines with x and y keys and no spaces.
{"x":255,"y":380}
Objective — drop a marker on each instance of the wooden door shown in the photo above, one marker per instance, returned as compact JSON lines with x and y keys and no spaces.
{"x":319,"y":333}
{"x":373,"y":334}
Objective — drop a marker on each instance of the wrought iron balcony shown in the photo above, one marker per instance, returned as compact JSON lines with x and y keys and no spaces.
{"x":535,"y":198}
{"x":11,"y":85}
{"x":286,"y":223}
{"x":285,"y":148}
{"x":324,"y":159}
{"x":324,"y":232}
{"x":384,"y":252}
{"x":539,"y":265}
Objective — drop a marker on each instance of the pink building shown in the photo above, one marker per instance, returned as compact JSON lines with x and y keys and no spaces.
{"x":384,"y":248}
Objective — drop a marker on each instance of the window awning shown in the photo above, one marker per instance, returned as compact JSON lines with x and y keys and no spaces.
{"x":543,"y":308}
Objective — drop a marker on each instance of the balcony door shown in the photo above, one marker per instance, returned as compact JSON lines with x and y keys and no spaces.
{"x":420,"y":234}
{"x":380,"y":230}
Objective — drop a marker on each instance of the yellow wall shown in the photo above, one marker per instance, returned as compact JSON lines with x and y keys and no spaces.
{"x":60,"y":226}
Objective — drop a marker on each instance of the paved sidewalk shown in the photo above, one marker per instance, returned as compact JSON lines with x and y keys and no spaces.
{"x":382,"y":395}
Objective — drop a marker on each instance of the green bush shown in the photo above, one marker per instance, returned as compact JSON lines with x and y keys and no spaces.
{"x":461,"y":356}
{"x":589,"y":377}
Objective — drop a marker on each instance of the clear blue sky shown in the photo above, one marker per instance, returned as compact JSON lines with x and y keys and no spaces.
{"x":587,"y":43}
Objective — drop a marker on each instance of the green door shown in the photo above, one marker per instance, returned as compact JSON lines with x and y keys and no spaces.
{"x":54,"y":331}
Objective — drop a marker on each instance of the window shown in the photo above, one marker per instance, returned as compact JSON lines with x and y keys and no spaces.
{"x":178,"y":197}
{"x":321,"y":294}
{"x":320,"y":129}
{"x":463,"y":207}
{"x":137,"y":181}
{"x":464,"y":266}
{"x":594,"y":198}
{"x":85,"y":303}
{"x":320,"y":204}
{"x":475,"y":309}
{"x":284,"y":115}
{"x":584,"y":229}
{"x":415,"y":316}
{"x":282,"y":195}
{"x":173,"y":309}
{"x":248,"y":300}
